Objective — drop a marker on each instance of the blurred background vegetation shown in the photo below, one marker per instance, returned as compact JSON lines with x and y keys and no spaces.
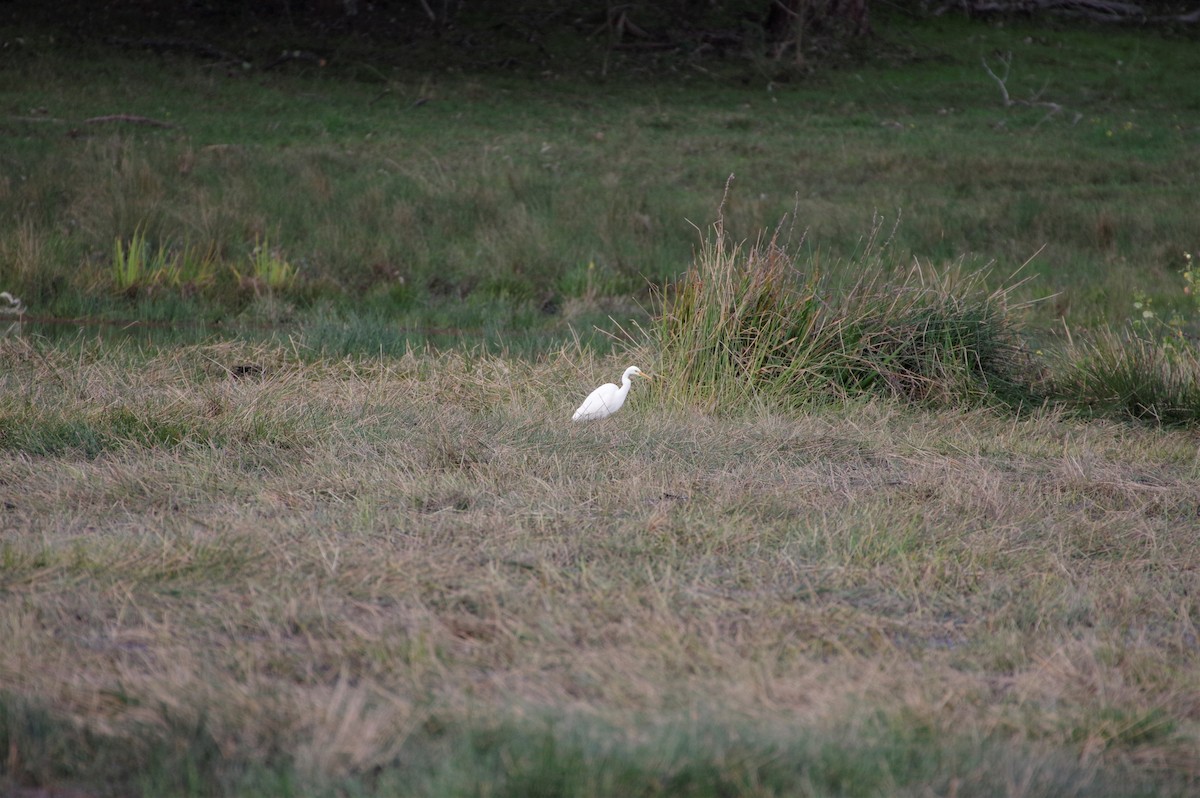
{"x":517,"y":174}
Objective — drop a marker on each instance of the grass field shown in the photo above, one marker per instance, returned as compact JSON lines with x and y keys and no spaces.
{"x":280,"y":546}
{"x":412,"y":571}
{"x":515,"y":207}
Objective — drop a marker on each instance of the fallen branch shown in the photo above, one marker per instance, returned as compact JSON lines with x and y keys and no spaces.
{"x":130,"y":118}
{"x":1097,"y":10}
{"x":295,"y":55}
{"x":11,"y":306}
{"x":202,"y":48}
{"x":1002,"y":82}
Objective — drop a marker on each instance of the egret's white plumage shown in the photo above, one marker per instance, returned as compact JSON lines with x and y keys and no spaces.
{"x":608,"y":398}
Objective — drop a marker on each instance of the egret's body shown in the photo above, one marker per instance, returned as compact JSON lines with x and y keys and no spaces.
{"x":608,"y":398}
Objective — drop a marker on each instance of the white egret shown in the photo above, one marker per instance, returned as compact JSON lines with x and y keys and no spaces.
{"x":608,"y":398}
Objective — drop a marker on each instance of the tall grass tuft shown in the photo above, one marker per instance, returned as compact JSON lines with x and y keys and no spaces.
{"x":753,"y":323}
{"x":269,"y":269}
{"x":137,"y":265}
{"x":1132,"y":376}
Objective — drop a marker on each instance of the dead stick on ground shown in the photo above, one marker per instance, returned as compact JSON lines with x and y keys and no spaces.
{"x":130,"y":118}
{"x":1002,"y":82}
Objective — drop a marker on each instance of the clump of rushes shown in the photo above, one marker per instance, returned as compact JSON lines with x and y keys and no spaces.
{"x":269,"y":270}
{"x":198,"y":267}
{"x":1131,"y":376}
{"x":748,"y":323}
{"x":1148,"y":371}
{"x":136,"y":266}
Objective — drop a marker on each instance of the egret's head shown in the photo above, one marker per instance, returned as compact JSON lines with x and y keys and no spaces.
{"x":634,"y":371}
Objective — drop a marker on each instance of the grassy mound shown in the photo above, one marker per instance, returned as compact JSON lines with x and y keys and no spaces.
{"x":746,"y":324}
{"x":1132,"y":376}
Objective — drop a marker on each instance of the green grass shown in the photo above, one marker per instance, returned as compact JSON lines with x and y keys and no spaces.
{"x":900,"y":755}
{"x":370,"y":198}
{"x":1132,"y":375}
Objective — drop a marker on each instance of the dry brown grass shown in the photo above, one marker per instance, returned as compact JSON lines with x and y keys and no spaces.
{"x":326,"y":556}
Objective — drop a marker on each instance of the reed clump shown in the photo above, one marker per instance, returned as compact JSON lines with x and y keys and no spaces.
{"x":754,"y":322}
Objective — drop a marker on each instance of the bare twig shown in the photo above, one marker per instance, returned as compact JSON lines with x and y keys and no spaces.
{"x":1005,"y":59}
